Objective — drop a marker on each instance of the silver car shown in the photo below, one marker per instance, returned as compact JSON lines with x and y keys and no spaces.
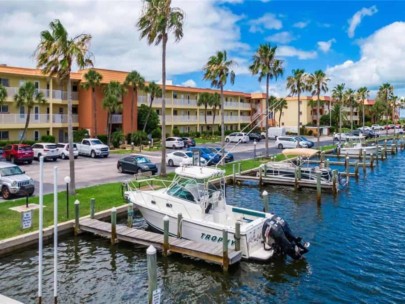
{"x":14,"y":181}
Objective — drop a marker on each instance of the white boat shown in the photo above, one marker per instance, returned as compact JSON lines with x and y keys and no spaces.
{"x":357,"y":149}
{"x":198,"y":193}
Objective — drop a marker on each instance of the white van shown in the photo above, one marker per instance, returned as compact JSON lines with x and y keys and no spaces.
{"x":274,"y":132}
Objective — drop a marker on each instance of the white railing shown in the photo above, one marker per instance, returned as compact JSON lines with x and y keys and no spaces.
{"x":209,"y":118}
{"x":185,"y":102}
{"x":231,"y":118}
{"x":142,"y":99}
{"x":63,"y":118}
{"x":36,"y":118}
{"x":231,"y":104}
{"x":244,"y":119}
{"x":56,"y":94}
{"x":116,"y":118}
{"x":185,"y":119}
{"x":245,"y":106}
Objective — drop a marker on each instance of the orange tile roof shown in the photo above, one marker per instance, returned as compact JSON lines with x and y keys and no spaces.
{"x":31,"y":72}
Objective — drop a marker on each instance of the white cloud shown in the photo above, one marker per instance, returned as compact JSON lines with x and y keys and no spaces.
{"x":189,"y":83}
{"x":325,"y":46}
{"x":282,"y":37}
{"x":289,"y":51}
{"x":115,"y":44}
{"x":381,"y":60}
{"x":267,"y":21}
{"x":355,"y":21}
{"x":301,"y":24}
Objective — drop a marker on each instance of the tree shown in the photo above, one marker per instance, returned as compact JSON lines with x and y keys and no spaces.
{"x":218,"y":69}
{"x":350,"y":101}
{"x":337,"y":95}
{"x":282,"y":104}
{"x":27,"y":96}
{"x":112,"y":102}
{"x":362,"y":95}
{"x":154,"y":91}
{"x":147,"y":118}
{"x":157,"y":21}
{"x":93,"y":80}
{"x":204,"y":99}
{"x":377,"y":110}
{"x":55,"y":55}
{"x":297,"y":84}
{"x":266,"y":66}
{"x":137,"y":82}
{"x":318,"y":83}
{"x":386,"y":93}
{"x":138,"y":137}
{"x":3,"y":94}
{"x":215,"y":102}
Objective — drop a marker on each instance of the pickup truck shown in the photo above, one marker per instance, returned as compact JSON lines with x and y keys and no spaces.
{"x":93,"y":147}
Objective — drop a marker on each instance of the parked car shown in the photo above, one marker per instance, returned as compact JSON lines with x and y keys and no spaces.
{"x":210,"y":157}
{"x":93,"y":147}
{"x":135,"y":164}
{"x":364,"y":129}
{"x":274,"y":132}
{"x":1,"y":154}
{"x":47,"y":150}
{"x":308,"y":142}
{"x":179,"y":158}
{"x":283,"y":142}
{"x":174,"y":142}
{"x":18,"y":153}
{"x":237,"y":137}
{"x":355,"y":135}
{"x":63,"y":150}
{"x":370,"y":134}
{"x":14,"y":181}
{"x":228,"y":156}
{"x":377,"y":127}
{"x":188,"y":142}
{"x":255,"y":136}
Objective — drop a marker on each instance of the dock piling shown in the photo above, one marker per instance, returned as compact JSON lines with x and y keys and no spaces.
{"x":165,"y":234}
{"x":327,"y":163}
{"x":265,"y":196}
{"x":296,"y":179}
{"x":92,"y":207}
{"x":318,"y":187}
{"x":179,"y":224}
{"x":130,"y":215}
{"x":239,"y":168}
{"x":77,"y":216}
{"x":237,"y":236}
{"x":385,"y":148}
{"x":356,"y":169}
{"x":152,"y":272}
{"x":361,"y":153}
{"x":113,"y":225}
{"x":347,"y":167}
{"x":364,"y":164}
{"x":372,"y":160}
{"x":225,"y":259}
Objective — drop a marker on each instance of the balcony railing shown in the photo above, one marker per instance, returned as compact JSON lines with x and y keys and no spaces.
{"x":185,"y":119}
{"x":116,"y":119}
{"x":231,"y":104}
{"x":36,"y":118}
{"x":56,"y":94}
{"x":185,"y":102}
{"x":244,"y":106}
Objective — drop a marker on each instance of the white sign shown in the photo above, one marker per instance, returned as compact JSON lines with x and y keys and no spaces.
{"x":156,"y":296}
{"x":196,"y":158}
{"x":26,"y":219}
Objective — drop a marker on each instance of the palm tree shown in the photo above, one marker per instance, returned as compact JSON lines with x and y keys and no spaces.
{"x":362,"y":95}
{"x":349,"y":100}
{"x":282,"y":104}
{"x":215,"y":102}
{"x":204,"y":99}
{"x":266,"y":65}
{"x":3,"y":94}
{"x":55,"y":54}
{"x":218,"y":69}
{"x":386,"y":93}
{"x":318,"y":82}
{"x":112,"y":102}
{"x":93,"y":80}
{"x":157,"y":21}
{"x":136,"y":81}
{"x":28,"y":96}
{"x":338,"y":96}
{"x":154,"y":91}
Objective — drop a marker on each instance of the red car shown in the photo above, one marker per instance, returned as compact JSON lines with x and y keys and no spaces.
{"x":18,"y":153}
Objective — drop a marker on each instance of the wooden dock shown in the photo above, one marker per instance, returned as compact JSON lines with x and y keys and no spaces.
{"x":208,"y":252}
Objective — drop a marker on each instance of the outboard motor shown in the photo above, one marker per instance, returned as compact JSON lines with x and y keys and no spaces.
{"x":278,"y":236}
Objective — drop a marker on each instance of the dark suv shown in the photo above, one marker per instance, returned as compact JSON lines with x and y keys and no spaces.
{"x":188,"y":142}
{"x":18,"y":153}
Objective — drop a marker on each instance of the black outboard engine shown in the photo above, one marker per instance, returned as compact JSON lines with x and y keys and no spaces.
{"x":277,"y":235}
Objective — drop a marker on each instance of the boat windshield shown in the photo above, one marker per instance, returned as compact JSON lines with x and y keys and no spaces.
{"x":190,"y":189}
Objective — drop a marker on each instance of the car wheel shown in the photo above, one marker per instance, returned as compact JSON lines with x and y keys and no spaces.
{"x":136,"y":171}
{"x":120,"y":170}
{"x":105,"y":156}
{"x":63,"y":156}
{"x":93,"y":154}
{"x":5,"y":192}
{"x":227,"y":140}
{"x":12,"y":159}
{"x":171,"y":164}
{"x":55,"y":159}
{"x":29,"y":162}
{"x":280,"y":146}
{"x":76,"y":157}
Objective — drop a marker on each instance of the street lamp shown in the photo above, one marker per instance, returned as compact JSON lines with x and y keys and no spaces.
{"x":67,"y":181}
{"x":254,"y":149}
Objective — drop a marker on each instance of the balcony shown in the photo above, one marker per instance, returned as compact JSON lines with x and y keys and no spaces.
{"x":231,"y":104}
{"x":185,"y":102}
{"x":56,"y":94}
{"x":231,"y":119}
{"x":185,"y":119}
{"x":116,"y":119}
{"x":244,"y":106}
{"x":36,"y":119}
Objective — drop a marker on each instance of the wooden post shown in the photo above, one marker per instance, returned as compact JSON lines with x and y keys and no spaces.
{"x":265,"y":196}
{"x":334,"y":181}
{"x":265,"y":170}
{"x":237,"y":236}
{"x":385,"y":148}
{"x":347,"y":167}
{"x":364,"y":165}
{"x":152,"y":272}
{"x":318,"y":187}
{"x":371,"y":160}
{"x":392,"y":149}
{"x":296,"y":178}
{"x":130,"y":215}
{"x":327,"y":163}
{"x":356,"y":169}
{"x":382,"y":153}
{"x":179,"y":224}
{"x":322,"y":156}
{"x":92,"y":207}
{"x":113,"y":225}
{"x":338,"y":151}
{"x":165,"y":234}
{"x":239,"y":168}
{"x":77,"y":216}
{"x":225,"y":258}
{"x":260,"y":176}
{"x":346,"y":162}
{"x":361,"y":154}
{"x":299,"y":173}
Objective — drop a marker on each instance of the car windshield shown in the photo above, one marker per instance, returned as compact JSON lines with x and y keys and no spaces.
{"x":11,"y":171}
{"x":189,"y":154}
{"x":142,"y":160}
{"x":51,"y":146}
{"x":96,"y":142}
{"x":24,"y":148}
{"x":205,"y":150}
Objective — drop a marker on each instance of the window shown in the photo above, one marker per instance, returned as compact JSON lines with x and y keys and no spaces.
{"x":175,"y":112}
{"x":22,"y":112}
{"x":4,"y":82}
{"x":4,"y":135}
{"x":158,"y":112}
{"x":36,"y":113}
{"x":174,"y":95}
{"x":74,"y":87}
{"x":36,"y":135}
{"x":4,"y":109}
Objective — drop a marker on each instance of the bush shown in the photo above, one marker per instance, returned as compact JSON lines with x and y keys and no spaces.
{"x":128,"y":138}
{"x":195,"y":134}
{"x":117,"y":138}
{"x":78,"y":135}
{"x":310,"y":132}
{"x":156,"y":133}
{"x":139,"y":137}
{"x":8,"y":142}
{"x":176,"y":132}
{"x":103,"y":138}
{"x":48,"y":138}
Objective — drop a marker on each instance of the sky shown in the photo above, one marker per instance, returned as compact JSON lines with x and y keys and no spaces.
{"x":359,"y":43}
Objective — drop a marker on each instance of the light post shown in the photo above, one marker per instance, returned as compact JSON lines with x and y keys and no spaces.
{"x":67,"y":181}
{"x":254,"y":149}
{"x":132,"y":146}
{"x":149,"y":142}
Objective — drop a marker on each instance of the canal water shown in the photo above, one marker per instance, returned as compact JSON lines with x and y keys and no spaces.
{"x":357,"y":255}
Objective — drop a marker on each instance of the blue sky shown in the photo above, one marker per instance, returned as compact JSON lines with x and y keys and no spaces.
{"x":360,"y":43}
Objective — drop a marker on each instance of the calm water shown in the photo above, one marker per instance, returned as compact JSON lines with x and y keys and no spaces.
{"x":357,"y":255}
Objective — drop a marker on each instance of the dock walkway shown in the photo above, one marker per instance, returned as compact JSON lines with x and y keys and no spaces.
{"x":208,"y":252}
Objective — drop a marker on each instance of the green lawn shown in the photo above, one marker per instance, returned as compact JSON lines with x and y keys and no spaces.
{"x":202,"y":141}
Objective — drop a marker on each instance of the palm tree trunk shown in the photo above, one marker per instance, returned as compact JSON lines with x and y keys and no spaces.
{"x":94,"y":112}
{"x":299,"y":114}
{"x":132,"y":110}
{"x":351,"y":117}
{"x":163,"y":161}
{"x":72,"y":186}
{"x":213,"y":120}
{"x":340,"y":122}
{"x":109,"y":128}
{"x":267,"y":115}
{"x":330,"y":112}
{"x":363,"y":113}
{"x":147,"y":116}
{"x":27,"y":122}
{"x":205,"y":116}
{"x":317,"y":121}
{"x":222,"y":125}
{"x":279,"y":118}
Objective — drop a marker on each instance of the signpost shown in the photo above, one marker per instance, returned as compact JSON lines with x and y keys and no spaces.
{"x":196,"y":158}
{"x":26,"y":219}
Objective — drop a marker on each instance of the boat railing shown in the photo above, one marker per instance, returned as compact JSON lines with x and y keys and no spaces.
{"x":149,"y":183}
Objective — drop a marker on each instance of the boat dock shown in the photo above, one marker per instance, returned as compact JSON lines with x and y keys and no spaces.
{"x":208,"y":252}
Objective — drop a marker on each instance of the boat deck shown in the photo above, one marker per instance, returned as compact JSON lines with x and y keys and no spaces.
{"x":208,"y":252}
